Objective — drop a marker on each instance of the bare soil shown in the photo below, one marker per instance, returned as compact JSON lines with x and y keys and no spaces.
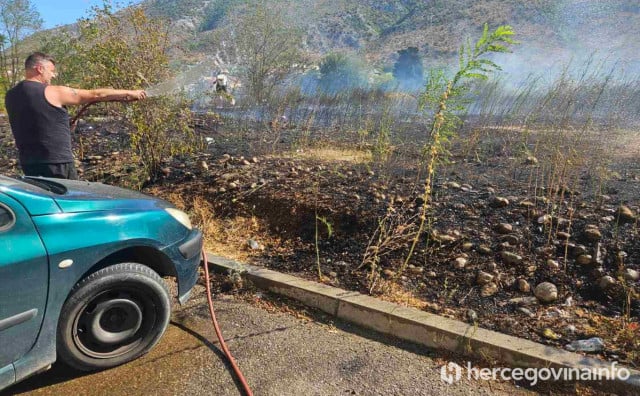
{"x":319,"y":209}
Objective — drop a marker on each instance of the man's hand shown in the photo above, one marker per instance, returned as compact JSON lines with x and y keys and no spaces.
{"x":134,"y":95}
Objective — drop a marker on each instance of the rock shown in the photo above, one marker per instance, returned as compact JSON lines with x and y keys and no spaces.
{"x":504,"y":228}
{"x":527,"y":204}
{"x":570,"y":329}
{"x":584,"y":259}
{"x":459,"y":262}
{"x":545,"y":219}
{"x":578,"y":250}
{"x":510,"y":258}
{"x":229,"y":176}
{"x":416,"y":270}
{"x":545,"y":251}
{"x":452,"y":184}
{"x":489,"y":289}
{"x":484,"y":249}
{"x":526,"y":312}
{"x":483,"y":278}
{"x":606,"y":282}
{"x":499,"y":202}
{"x":625,"y":215}
{"x":524,"y":286}
{"x":472,"y":316}
{"x":232,"y":185}
{"x":524,"y":301}
{"x":388,"y":273}
{"x":546,"y":292}
{"x":333,"y":274}
{"x":553,"y":265}
{"x":531,"y":160}
{"x":511,"y":239}
{"x":253,"y":244}
{"x":592,"y":234}
{"x":594,"y":344}
{"x":467,"y":246}
{"x":431,"y":274}
{"x":568,"y":302}
{"x":203,"y":166}
{"x":446,"y":238}
{"x":631,"y":274}
{"x":550,"y":334}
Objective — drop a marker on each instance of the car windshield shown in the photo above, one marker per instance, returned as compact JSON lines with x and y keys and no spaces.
{"x":45,"y":184}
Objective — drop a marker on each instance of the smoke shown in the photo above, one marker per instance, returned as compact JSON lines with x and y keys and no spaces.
{"x":596,"y":34}
{"x":192,"y":81}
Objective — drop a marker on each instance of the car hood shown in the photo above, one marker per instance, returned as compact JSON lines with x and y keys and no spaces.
{"x":42,"y":196}
{"x":86,"y":196}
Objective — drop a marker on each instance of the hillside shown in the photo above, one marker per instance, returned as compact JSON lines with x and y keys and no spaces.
{"x":550,"y":31}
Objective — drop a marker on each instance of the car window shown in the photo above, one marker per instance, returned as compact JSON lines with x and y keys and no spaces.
{"x":6,"y":218}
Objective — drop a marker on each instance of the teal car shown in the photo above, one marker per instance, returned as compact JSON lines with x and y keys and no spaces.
{"x":81,"y":267}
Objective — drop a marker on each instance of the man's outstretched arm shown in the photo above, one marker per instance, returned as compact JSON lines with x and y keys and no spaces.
{"x":59,"y":95}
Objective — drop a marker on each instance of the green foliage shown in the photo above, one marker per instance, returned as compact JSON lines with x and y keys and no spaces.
{"x":215,"y":13}
{"x":18,"y":18}
{"x":122,"y":51}
{"x":128,"y":51}
{"x":172,"y":9}
{"x":268,"y":47}
{"x":161,"y":129}
{"x":408,"y":68}
{"x":445,"y":97}
{"x":63,"y":47}
{"x":340,"y":71}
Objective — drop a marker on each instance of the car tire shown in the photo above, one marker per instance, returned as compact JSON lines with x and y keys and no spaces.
{"x":113,"y":316}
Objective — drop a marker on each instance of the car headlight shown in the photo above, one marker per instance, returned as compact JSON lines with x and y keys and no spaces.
{"x":180,"y":216}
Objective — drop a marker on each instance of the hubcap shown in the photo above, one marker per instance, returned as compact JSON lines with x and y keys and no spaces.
{"x":115,"y":322}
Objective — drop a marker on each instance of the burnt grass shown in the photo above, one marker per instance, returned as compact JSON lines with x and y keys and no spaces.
{"x":286,"y":194}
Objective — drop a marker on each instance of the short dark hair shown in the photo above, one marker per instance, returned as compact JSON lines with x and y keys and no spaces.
{"x":37,"y":58}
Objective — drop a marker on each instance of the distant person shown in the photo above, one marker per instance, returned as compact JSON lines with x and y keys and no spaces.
{"x":40,"y":121}
{"x":221,"y":81}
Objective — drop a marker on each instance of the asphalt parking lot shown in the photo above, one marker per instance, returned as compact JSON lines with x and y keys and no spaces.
{"x":281,"y":351}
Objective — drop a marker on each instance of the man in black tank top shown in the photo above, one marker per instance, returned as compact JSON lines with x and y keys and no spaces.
{"x":40,"y":122}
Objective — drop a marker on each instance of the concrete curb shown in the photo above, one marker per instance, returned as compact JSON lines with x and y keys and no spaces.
{"x":421,"y":327}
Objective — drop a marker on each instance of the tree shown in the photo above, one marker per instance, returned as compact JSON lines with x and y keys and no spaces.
{"x":18,"y":19}
{"x":444,"y":97}
{"x":125,"y":51}
{"x":408,"y":69}
{"x":339,"y":71}
{"x":268,"y":48}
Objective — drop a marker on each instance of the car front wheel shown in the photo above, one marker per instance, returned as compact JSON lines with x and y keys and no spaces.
{"x":113,"y":316}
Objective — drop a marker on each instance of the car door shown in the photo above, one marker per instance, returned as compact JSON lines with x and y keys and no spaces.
{"x":24,"y":276}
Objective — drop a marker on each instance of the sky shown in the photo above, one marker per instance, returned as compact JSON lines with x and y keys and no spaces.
{"x":64,"y":12}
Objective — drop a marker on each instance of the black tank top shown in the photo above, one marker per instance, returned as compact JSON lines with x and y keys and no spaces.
{"x":41,"y":130}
